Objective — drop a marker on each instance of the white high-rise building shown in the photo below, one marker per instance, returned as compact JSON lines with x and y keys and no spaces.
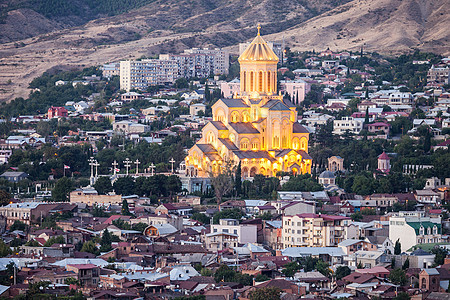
{"x":139,"y":74}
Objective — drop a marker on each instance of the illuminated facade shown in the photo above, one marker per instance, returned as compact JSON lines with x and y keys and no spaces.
{"x":256,"y":127}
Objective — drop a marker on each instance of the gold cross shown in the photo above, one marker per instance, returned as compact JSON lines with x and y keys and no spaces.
{"x":259,"y":27}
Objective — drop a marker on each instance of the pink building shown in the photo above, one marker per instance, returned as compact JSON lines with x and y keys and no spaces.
{"x":228,"y":89}
{"x":57,"y":112}
{"x":378,"y":127}
{"x":296,"y":88}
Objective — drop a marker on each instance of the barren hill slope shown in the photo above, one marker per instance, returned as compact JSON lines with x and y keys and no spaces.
{"x":389,"y":26}
{"x":172,"y":25}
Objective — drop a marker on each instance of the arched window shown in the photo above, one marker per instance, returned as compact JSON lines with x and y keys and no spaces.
{"x":269,"y":84}
{"x":295,"y":144}
{"x":435,"y":230}
{"x":234,"y":117}
{"x":244,"y":79}
{"x":245,"y":117}
{"x":252,"y":81}
{"x":421,"y":230}
{"x":232,"y":137}
{"x":255,"y":144}
{"x":210,"y":137}
{"x":244,"y":144}
{"x":304,"y":144}
{"x":260,"y":81}
{"x":429,"y":230}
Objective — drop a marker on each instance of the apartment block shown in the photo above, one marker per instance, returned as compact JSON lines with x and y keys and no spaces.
{"x":413,"y":228}
{"x":144,"y":73}
{"x":347,"y":124}
{"x":197,"y":62}
{"x":246,"y":233}
{"x":315,"y":230}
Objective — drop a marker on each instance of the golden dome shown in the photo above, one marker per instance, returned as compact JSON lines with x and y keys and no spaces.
{"x":258,"y":50}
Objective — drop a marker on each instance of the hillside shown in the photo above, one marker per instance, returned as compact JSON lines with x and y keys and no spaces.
{"x":388,"y":26}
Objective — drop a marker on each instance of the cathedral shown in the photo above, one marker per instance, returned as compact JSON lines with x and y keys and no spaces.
{"x":256,"y":127}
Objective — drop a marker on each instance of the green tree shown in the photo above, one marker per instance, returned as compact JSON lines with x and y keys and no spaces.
{"x":181,"y":83}
{"x":201,"y":217}
{"x":54,"y":240}
{"x":18,"y":225}
{"x":90,"y":247}
{"x":5,"y":250}
{"x":5,"y":198}
{"x":341,"y":272}
{"x":397,"y":247}
{"x":124,"y":186}
{"x":105,"y":244}
{"x":103,"y":186}
{"x":402,"y":296}
{"x":63,"y":187}
{"x":261,"y":277}
{"x":222,"y":181}
{"x":234,"y":213}
{"x":266,"y":293}
{"x":224,"y":274}
{"x":323,"y":267}
{"x":291,"y":268}
{"x":238,"y":180}
{"x":139,"y":227}
{"x":406,"y":264}
{"x":398,"y":276}
{"x":125,"y":209}
{"x":440,"y":255}
{"x":366,"y":117}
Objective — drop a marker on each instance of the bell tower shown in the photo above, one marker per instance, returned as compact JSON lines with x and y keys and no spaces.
{"x":258,"y":69}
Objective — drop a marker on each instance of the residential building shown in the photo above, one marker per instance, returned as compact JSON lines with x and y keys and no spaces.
{"x":110,"y":70}
{"x":438,"y":74}
{"x":231,"y":88}
{"x":412,"y":228}
{"x":380,"y":128}
{"x":90,"y":197}
{"x":5,"y":154}
{"x":140,"y":74}
{"x":199,"y":63}
{"x":347,"y":124}
{"x":350,"y":246}
{"x":87,"y":274}
{"x":315,"y":230}
{"x":57,"y":112}
{"x":218,"y":241}
{"x":246,"y":233}
{"x":297,"y":89}
{"x":427,"y":197}
{"x":194,"y":109}
{"x":127,"y":127}
{"x":130,"y":96}
{"x":401,"y":99}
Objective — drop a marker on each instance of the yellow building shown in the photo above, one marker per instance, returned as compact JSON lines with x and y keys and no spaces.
{"x":256,"y":127}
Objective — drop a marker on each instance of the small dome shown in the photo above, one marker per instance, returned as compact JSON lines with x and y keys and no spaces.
{"x":327,"y":174}
{"x":258,"y":50}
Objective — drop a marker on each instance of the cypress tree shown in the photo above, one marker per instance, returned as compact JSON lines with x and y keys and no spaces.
{"x":366,"y":120}
{"x":105,"y":244}
{"x":125,"y":209}
{"x":238,"y":180}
